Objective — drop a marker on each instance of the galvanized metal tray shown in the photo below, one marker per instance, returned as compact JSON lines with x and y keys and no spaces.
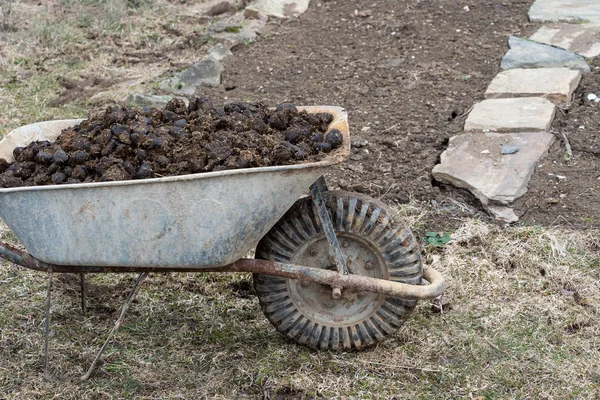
{"x":198,"y":220}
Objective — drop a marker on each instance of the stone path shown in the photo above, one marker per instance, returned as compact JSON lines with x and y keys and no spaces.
{"x":507,"y":134}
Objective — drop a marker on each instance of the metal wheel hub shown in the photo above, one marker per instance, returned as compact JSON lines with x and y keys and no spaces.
{"x":315,"y":300}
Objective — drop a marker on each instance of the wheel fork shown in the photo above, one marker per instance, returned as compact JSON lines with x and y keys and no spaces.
{"x":335,"y":251}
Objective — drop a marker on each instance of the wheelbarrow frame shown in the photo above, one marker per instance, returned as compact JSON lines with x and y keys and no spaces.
{"x":339,"y":280}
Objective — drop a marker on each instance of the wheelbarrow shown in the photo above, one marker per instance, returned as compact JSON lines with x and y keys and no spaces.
{"x":332,"y":270}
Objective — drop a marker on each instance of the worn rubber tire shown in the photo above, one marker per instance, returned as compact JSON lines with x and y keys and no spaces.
{"x":378,"y":243}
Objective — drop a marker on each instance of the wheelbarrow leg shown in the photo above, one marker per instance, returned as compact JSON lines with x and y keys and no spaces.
{"x":47,"y":320}
{"x":316,"y":190}
{"x":120,"y":320}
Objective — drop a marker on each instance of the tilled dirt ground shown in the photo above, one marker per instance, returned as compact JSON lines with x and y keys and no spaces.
{"x":408,"y":72}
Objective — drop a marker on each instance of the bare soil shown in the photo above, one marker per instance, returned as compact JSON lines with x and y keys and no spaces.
{"x":408,"y":73}
{"x":131,"y":143}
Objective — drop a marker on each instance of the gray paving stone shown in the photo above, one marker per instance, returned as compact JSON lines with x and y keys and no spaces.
{"x":565,"y":10}
{"x":582,"y":39}
{"x":523,"y":114}
{"x":235,"y":30}
{"x":205,"y":72}
{"x":474,"y":162}
{"x":279,"y":8}
{"x":556,"y":84}
{"x":527,"y":54}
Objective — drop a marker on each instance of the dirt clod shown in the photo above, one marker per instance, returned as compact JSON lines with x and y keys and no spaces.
{"x":131,"y":143}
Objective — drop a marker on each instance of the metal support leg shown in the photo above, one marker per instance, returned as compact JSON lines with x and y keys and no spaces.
{"x":47,"y":320}
{"x":83,"y":293}
{"x":120,"y":320}
{"x":334,"y":246}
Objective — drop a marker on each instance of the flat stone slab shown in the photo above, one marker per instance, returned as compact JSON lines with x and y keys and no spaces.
{"x":582,"y":39}
{"x":523,"y":114}
{"x":279,"y":8}
{"x":236,"y":29}
{"x":219,"y":52}
{"x":205,"y":72}
{"x":565,"y":10}
{"x":556,"y":84}
{"x":527,"y":54}
{"x":474,"y":162}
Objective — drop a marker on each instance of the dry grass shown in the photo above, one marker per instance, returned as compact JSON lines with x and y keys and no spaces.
{"x":122,"y":43}
{"x":520,"y":321}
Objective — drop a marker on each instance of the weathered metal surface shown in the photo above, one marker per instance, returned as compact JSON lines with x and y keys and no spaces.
{"x":195,"y":221}
{"x":316,"y":301}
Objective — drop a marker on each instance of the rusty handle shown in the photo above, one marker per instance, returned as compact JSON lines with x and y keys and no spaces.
{"x":331,"y":278}
{"x":435,"y":288}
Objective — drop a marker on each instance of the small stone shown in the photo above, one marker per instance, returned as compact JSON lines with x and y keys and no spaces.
{"x":509,"y":149}
{"x":524,"y":114}
{"x":524,"y":53}
{"x":485,"y":152}
{"x":365,"y":129}
{"x":556,"y":84}
{"x":552,"y":200}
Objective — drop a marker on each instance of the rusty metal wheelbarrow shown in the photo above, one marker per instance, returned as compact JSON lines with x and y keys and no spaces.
{"x":333,"y":270}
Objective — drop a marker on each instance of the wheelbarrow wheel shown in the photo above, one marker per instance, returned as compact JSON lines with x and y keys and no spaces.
{"x":374,"y":241}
